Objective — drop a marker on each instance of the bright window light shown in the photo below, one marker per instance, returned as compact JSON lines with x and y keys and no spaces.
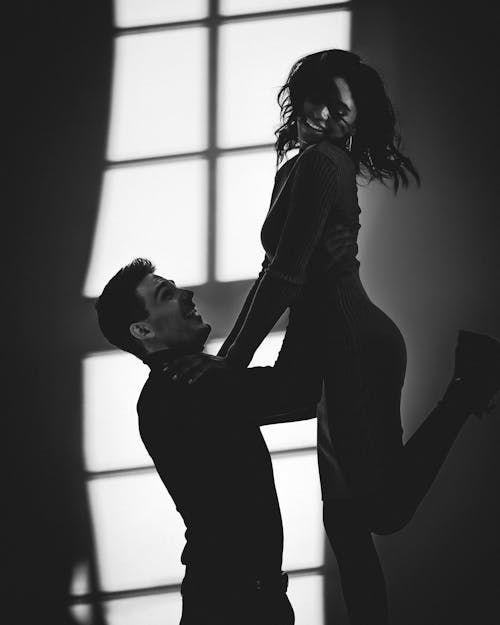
{"x":297,"y":485}
{"x":157,"y":211}
{"x":249,"y":83}
{"x":81,"y":614}
{"x":139,"y":533}
{"x":150,"y":610}
{"x":290,"y":435}
{"x":159,"y":94}
{"x":80,"y":579}
{"x":245,"y":183}
{"x":266,"y":354}
{"x":144,"y":12}
{"x":235,"y":7}
{"x":112,"y":382}
{"x":306,"y":596}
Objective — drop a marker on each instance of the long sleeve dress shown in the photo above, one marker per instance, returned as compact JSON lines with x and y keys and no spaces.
{"x":361,"y":350}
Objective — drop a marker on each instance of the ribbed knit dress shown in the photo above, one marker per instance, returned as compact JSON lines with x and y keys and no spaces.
{"x":331,"y":318}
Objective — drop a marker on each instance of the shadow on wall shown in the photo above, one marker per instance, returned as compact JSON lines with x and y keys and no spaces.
{"x":60,"y":66}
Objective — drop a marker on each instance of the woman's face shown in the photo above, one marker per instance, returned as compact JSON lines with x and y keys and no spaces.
{"x":317,"y":123}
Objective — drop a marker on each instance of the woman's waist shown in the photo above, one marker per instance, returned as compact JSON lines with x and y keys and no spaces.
{"x":331,"y":297}
{"x":335,"y":284}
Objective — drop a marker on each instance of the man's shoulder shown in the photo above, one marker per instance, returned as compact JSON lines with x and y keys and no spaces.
{"x":167,"y":404}
{"x":159,"y":390}
{"x":208,"y":402}
{"x":160,"y":402}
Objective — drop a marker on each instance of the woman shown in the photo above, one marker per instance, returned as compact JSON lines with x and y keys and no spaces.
{"x":336,"y":111}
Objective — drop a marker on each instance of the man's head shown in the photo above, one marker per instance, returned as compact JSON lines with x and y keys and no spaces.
{"x":141,"y":312}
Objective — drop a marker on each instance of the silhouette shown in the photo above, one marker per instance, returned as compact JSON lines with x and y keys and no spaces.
{"x":207,"y":448}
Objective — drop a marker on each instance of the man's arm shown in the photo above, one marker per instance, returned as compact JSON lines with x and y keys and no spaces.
{"x":261,"y":395}
{"x":279,"y":396}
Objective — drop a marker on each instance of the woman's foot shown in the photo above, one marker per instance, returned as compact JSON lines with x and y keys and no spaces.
{"x":476,"y":377}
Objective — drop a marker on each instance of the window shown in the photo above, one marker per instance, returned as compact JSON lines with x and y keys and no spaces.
{"x":192,"y":122}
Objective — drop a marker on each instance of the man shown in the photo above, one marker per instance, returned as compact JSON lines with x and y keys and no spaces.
{"x":206,"y":445}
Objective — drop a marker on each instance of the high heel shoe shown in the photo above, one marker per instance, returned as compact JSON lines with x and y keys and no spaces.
{"x":476,"y":376}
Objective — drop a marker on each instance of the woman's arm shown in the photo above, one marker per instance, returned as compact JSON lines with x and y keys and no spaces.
{"x":282,"y":172}
{"x":311,"y":200}
{"x":244,"y":311}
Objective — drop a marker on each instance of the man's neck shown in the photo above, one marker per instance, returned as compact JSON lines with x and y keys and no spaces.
{"x":167,"y":353}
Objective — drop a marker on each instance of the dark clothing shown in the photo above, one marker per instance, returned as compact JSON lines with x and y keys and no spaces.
{"x":313,"y":193}
{"x":208,"y":449}
{"x":262,"y":603}
{"x":362,"y":352}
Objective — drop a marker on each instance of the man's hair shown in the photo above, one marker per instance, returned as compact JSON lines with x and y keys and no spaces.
{"x":119,"y":305}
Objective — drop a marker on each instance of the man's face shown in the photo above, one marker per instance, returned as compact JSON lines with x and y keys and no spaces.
{"x":173,"y":320}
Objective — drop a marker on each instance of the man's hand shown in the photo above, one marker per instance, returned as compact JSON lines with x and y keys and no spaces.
{"x":340,"y":243}
{"x":190,"y":368}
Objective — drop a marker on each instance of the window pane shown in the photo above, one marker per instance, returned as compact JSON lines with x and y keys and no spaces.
{"x":80,"y":584}
{"x":245,"y":183}
{"x":248,"y":112}
{"x":142,"y":12}
{"x":290,"y":435}
{"x":81,"y":613}
{"x":235,"y":7}
{"x":157,"y":211}
{"x":266,"y":354}
{"x":297,"y":484}
{"x":139,"y":533}
{"x":112,"y":382}
{"x":306,"y":596}
{"x":159,"y":94}
{"x":151,"y":610}
{"x":282,"y":435}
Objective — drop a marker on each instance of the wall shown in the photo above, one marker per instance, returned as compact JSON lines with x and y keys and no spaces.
{"x":431,"y":259}
{"x":58,"y":95}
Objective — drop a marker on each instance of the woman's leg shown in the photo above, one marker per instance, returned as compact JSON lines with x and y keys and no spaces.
{"x":349,"y":522}
{"x":475,"y":382}
{"x":415,"y":467}
{"x":361,"y":576}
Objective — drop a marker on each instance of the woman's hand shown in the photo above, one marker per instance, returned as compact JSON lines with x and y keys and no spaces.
{"x":190,"y":368}
{"x":340,"y":243}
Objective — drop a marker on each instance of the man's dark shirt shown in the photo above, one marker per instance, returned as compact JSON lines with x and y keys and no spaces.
{"x":208,"y":450}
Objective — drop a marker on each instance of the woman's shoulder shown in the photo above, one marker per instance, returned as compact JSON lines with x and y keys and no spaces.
{"x":318,"y":158}
{"x":334,"y":153}
{"x":325,"y":157}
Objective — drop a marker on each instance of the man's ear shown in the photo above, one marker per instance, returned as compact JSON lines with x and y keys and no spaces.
{"x":140,"y":330}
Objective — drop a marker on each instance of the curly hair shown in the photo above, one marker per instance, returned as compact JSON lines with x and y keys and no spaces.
{"x":376,"y":142}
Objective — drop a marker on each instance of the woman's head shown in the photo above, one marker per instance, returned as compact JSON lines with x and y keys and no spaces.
{"x":336,"y":95}
{"x":333,"y":117}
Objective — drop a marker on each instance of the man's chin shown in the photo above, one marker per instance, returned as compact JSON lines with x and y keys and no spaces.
{"x":205,"y":329}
